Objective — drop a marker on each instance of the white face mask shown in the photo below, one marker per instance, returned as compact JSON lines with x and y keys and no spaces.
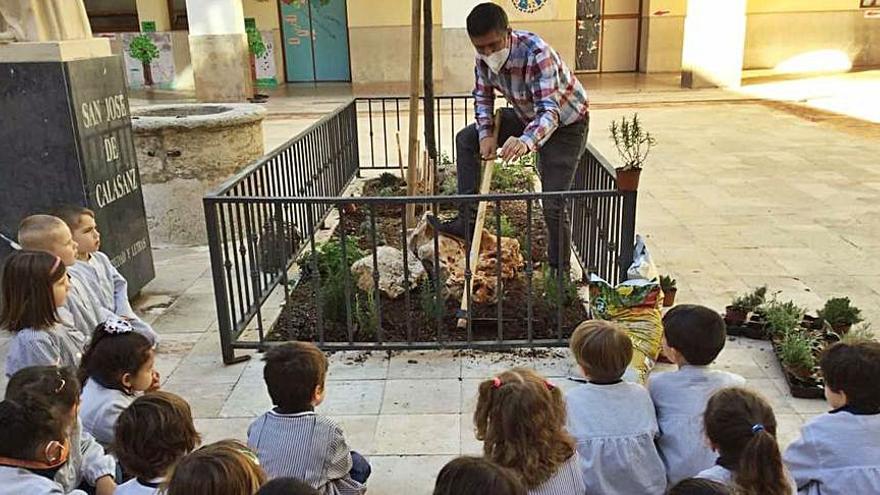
{"x":496,"y":60}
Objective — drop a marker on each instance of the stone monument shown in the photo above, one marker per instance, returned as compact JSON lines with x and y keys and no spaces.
{"x":66,"y":129}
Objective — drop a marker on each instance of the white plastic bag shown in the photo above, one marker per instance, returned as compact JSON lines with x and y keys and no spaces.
{"x":642,"y":267}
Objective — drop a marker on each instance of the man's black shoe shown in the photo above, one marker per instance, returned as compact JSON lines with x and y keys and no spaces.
{"x":456,"y":227}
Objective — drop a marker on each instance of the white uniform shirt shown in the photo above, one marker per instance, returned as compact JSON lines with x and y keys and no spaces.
{"x":135,"y":487}
{"x":88,"y":462}
{"x":61,"y":345}
{"x":725,"y":477}
{"x":838,"y":453}
{"x":100,"y":407}
{"x":615,"y":428}
{"x":680,"y":399}
{"x":18,"y":481}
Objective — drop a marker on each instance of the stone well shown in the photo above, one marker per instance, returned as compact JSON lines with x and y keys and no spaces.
{"x":183,"y":151}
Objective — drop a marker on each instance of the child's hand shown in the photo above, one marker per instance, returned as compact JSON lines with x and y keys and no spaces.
{"x":155,"y":384}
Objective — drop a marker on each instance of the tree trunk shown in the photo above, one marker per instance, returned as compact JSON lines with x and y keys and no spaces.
{"x":430,"y":138}
{"x":148,"y":74}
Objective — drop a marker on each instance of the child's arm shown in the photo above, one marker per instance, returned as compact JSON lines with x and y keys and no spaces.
{"x":339,"y":466}
{"x":803,"y":460}
{"x":39,"y":350}
{"x":96,"y":464}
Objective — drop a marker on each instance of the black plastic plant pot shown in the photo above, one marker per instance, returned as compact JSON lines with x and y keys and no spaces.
{"x":734,"y":316}
{"x":804,"y":389}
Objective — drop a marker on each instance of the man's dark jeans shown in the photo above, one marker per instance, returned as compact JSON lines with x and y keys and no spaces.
{"x":557,"y":163}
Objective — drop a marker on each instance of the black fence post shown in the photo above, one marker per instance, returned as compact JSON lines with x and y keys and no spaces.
{"x":627,"y":233}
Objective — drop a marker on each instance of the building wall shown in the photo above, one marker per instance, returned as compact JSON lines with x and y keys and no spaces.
{"x":265,"y":13}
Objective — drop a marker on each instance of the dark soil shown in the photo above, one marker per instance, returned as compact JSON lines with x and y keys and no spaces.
{"x":299,"y":318}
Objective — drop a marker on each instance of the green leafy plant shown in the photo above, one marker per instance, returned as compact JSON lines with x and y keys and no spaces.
{"x":861,"y":332}
{"x":550,"y":288}
{"x":796,"y":353}
{"x":143,"y":49}
{"x":633,"y":143}
{"x":839,"y":311}
{"x":367,"y":314}
{"x":782,"y":318}
{"x":432,"y":306}
{"x":255,"y":42}
{"x":667,"y":283}
{"x":327,"y":258}
{"x":514,"y":176}
{"x":750,"y":301}
{"x":507,"y":228}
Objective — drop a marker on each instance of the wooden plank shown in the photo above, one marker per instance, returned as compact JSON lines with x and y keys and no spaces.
{"x":413,"y":157}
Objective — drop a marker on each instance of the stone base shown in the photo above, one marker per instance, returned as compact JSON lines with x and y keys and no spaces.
{"x":54,"y":51}
{"x":221,"y":67}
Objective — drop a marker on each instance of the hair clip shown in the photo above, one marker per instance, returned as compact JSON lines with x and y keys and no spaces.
{"x":496,"y":382}
{"x":549,"y":385}
{"x":117,"y":325}
{"x":758,"y":428}
{"x":55,"y":265}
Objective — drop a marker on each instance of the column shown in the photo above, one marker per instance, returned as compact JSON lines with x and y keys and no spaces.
{"x":714,"y":43}
{"x":219,"y":50}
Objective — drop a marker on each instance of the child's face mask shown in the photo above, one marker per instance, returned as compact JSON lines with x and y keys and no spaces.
{"x":55,"y":455}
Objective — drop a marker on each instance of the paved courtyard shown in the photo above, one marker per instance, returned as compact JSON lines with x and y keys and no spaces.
{"x":739,"y":193}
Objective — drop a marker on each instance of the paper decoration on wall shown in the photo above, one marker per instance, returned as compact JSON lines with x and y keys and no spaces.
{"x":267,"y":75}
{"x":529,"y":6}
{"x":162,"y":67}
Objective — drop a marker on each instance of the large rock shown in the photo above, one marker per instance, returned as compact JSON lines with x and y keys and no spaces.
{"x":484,"y":280}
{"x":391,"y":276}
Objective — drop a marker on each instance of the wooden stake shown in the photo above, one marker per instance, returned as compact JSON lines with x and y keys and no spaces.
{"x":413,"y":157}
{"x":485,"y":184}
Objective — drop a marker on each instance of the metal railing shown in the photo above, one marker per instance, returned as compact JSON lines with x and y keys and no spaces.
{"x":272,"y":214}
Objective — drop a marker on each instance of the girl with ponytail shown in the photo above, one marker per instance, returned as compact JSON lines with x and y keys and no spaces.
{"x":116,"y":367}
{"x":741,"y":427}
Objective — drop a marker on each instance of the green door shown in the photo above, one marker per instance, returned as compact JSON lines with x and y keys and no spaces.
{"x":315,"y":40}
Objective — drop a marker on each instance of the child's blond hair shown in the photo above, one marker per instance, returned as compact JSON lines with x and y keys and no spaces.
{"x":602,"y":349}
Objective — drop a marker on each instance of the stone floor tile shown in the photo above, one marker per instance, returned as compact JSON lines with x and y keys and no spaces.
{"x":352,"y":397}
{"x":358,"y":365}
{"x":469,"y":393}
{"x":418,"y":434}
{"x":360,"y":432}
{"x":206,"y":399}
{"x":469,"y":443}
{"x":741,"y":362}
{"x":424,"y":364}
{"x":422,"y":396}
{"x":248,"y":398}
{"x":553,"y":362}
{"x":405,"y":475}
{"x":788,"y":427}
{"x":189,"y":313}
{"x":774,"y":396}
{"x":214,"y":429}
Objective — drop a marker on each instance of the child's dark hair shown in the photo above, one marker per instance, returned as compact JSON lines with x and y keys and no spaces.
{"x":226,"y":467}
{"x":696,"y":332}
{"x":56,"y":386}
{"x":26,"y":423}
{"x":111,"y":355}
{"x":28,"y":300}
{"x":485,"y":18}
{"x":698,"y":486}
{"x":520,"y":418}
{"x":742,"y":427}
{"x":72,"y":214}
{"x":854,"y":369}
{"x":477,"y":476}
{"x":286,"y":486}
{"x":602,"y":348}
{"x":153,"y":433}
{"x":293,"y":371}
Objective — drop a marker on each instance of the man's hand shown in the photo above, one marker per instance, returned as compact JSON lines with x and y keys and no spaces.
{"x":488,"y":148}
{"x":513,"y":149}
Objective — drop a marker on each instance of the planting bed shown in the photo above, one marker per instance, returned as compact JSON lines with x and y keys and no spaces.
{"x":299,"y":318}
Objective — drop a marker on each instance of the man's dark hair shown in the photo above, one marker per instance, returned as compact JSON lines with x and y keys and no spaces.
{"x":293,"y":371}
{"x":485,"y":18}
{"x":854,"y":368}
{"x":696,"y":332}
{"x":286,"y":486}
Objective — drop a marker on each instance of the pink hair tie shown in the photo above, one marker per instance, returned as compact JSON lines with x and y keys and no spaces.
{"x":496,"y":382}
{"x":55,"y":265}
{"x":549,"y":385}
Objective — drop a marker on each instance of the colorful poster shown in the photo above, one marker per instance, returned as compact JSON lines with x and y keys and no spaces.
{"x":162,"y":67}
{"x":267,"y":75}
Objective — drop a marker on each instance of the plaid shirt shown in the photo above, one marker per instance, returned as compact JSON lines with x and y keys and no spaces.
{"x":542,"y":89}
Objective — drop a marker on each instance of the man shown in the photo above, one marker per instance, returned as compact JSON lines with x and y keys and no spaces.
{"x":549,"y":115}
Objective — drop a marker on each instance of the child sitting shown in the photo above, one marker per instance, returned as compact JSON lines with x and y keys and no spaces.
{"x":611,"y":420}
{"x":33,"y":445}
{"x":34,"y":289}
{"x":477,"y":476}
{"x":693,"y":336}
{"x":520,"y":418}
{"x":226,"y":467}
{"x":286,"y":486}
{"x":741,"y":427}
{"x":99,"y":280}
{"x":116,"y":366}
{"x":294,"y":375}
{"x":152,"y":435}
{"x":698,"y":486}
{"x":51,"y":235}
{"x":88,"y":466}
{"x":839,"y":452}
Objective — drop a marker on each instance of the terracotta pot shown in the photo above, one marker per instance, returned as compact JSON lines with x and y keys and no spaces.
{"x":734,"y":316}
{"x":628,"y":180}
{"x":669,"y":297}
